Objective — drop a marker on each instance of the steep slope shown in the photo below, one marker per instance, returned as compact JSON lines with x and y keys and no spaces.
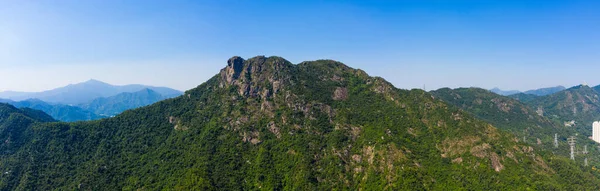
{"x":57,"y":111}
{"x":85,"y":92}
{"x":16,"y":131}
{"x":545,"y":91}
{"x":114,"y":105}
{"x":504,"y":92}
{"x":580,"y":104}
{"x":267,"y":124}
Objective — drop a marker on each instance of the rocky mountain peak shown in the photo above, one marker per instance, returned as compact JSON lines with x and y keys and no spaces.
{"x":256,"y":76}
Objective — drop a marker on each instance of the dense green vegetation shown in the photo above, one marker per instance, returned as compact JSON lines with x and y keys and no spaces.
{"x":266,"y":124}
{"x":511,"y":115}
{"x":7,"y":111}
{"x":523,"y":97}
{"x":502,"y":112}
{"x":580,"y":104}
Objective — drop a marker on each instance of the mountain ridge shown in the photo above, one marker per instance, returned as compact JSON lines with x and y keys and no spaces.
{"x":96,"y":109}
{"x":545,"y":91}
{"x":265,"y":123}
{"x":79,"y":93}
{"x":60,"y":112}
{"x":580,"y":104}
{"x":113,"y":105}
{"x":504,"y":92}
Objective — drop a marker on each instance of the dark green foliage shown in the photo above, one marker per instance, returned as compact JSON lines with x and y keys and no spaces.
{"x":518,"y":118}
{"x":6,"y":110}
{"x":523,"y":97}
{"x":504,"y":113}
{"x":272,"y":125}
{"x":580,"y":104}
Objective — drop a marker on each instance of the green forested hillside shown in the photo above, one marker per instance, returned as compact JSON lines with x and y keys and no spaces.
{"x":7,"y":111}
{"x":523,"y":97}
{"x":526,"y":123}
{"x":503,"y":112}
{"x":580,"y":104}
{"x":266,"y":124}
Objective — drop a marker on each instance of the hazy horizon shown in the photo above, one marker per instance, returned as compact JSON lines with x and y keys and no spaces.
{"x":511,"y":45}
{"x":117,"y":83}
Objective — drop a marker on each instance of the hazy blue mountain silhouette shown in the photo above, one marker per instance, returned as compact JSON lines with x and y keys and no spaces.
{"x":81,"y":93}
{"x":110,"y":106}
{"x":59,"y":112}
{"x":504,"y":92}
{"x":545,"y":91}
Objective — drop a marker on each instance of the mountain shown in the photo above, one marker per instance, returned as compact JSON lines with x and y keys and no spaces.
{"x":504,"y":92}
{"x":531,"y":95}
{"x":597,"y":88}
{"x":518,"y":118}
{"x":114,"y":105}
{"x":266,"y":124}
{"x":500,"y":111}
{"x":580,"y":104}
{"x":57,"y":111}
{"x":85,"y":92}
{"x":96,"y":109}
{"x":545,"y":91}
{"x":13,"y":94}
{"x":9,"y":112}
{"x":523,"y":97}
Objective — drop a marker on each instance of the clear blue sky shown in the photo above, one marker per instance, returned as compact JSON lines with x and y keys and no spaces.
{"x":180,"y":44}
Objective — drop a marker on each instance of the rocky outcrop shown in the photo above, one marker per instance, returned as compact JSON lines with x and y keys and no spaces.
{"x":340,"y":93}
{"x":256,"y":77}
{"x":233,"y":70}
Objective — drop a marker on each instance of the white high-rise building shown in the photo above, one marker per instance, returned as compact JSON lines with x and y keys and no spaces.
{"x":596,"y":131}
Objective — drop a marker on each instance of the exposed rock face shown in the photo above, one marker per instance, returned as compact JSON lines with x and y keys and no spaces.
{"x":233,"y":69}
{"x":503,"y":105}
{"x":256,"y":77}
{"x":496,"y":162}
{"x":340,"y":93}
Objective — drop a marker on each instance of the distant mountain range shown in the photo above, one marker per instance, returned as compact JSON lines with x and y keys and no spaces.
{"x":82,"y":93}
{"x":110,"y":106}
{"x":89,"y":100}
{"x":57,"y":111}
{"x":536,"y":92}
{"x":545,"y":91}
{"x":504,"y":92}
